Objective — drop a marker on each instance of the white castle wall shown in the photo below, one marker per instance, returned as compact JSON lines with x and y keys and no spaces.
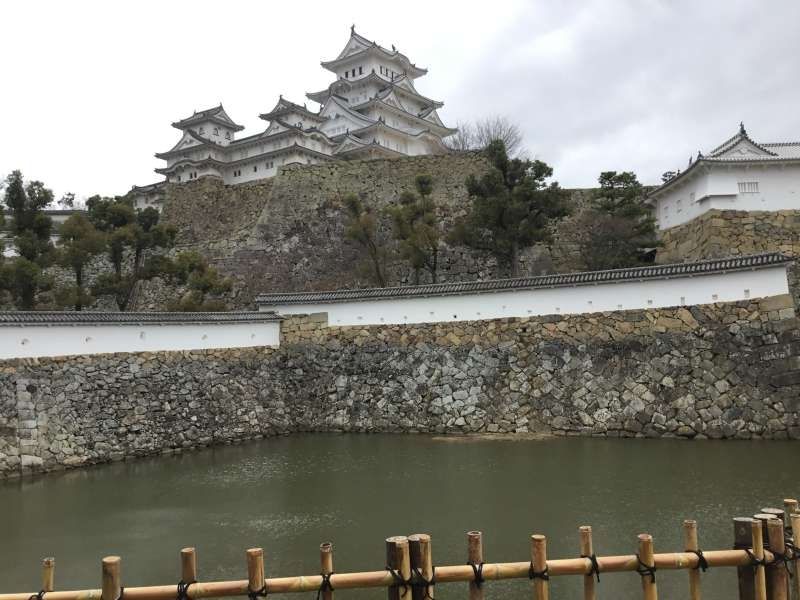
{"x":778,"y":189}
{"x":28,"y":341}
{"x":655,"y":293}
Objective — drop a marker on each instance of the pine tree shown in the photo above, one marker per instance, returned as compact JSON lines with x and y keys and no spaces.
{"x":513,"y":207}
{"x":416,"y":228}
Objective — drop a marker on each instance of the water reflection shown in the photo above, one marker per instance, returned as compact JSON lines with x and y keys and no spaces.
{"x":289,"y":494}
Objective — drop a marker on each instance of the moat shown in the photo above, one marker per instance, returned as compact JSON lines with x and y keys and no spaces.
{"x":289,"y":494}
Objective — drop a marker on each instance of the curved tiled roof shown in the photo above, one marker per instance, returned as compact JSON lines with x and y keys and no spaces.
{"x":705,"y":267}
{"x":130,"y":318}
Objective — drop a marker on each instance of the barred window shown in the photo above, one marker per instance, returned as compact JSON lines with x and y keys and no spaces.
{"x":748,"y":187}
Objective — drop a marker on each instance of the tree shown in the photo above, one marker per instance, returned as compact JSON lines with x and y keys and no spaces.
{"x":481,"y":133}
{"x":362,"y":228}
{"x":131,"y":232}
{"x":31,"y":230}
{"x":416,"y":228}
{"x":80,"y":242}
{"x":192,"y":269}
{"x":513,"y":207}
{"x":619,"y":230}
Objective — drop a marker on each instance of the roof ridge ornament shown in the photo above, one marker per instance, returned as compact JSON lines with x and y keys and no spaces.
{"x":741,"y":128}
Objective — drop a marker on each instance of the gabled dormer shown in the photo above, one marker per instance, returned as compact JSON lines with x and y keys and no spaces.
{"x":213,"y":123}
{"x":740,"y":146}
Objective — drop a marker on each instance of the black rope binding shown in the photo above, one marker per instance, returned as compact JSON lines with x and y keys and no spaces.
{"x":255,"y":594}
{"x":37,"y":596}
{"x":595,"y":565}
{"x":755,"y":562}
{"x":478,"y":571}
{"x":646,"y":570}
{"x":702,"y":563}
{"x":785,"y":559}
{"x":325,"y":585}
{"x":398,"y":579}
{"x":183,"y":589}
{"x":534,"y":574}
{"x":420,"y":581}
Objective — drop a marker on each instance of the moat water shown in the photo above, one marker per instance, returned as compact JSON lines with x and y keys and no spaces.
{"x":289,"y":494}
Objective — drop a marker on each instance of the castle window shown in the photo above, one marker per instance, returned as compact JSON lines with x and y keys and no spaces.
{"x":227,"y":135}
{"x":347,"y":74}
{"x":748,"y":187}
{"x":360,"y":70}
{"x":202,"y":131}
{"x":255,"y":168}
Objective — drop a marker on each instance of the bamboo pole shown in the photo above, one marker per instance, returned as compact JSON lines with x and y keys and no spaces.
{"x":777,"y":571}
{"x":326,"y":567}
{"x":422,"y":562}
{"x":48,"y":574}
{"x":742,"y":538}
{"x":398,"y":559}
{"x":587,"y":549}
{"x":758,"y":552}
{"x":795,"y":520}
{"x":188,"y":565}
{"x":112,"y":578}
{"x":541,"y":588}
{"x":444,"y":574}
{"x":256,"y":580}
{"x":475,"y":556}
{"x":691,"y":544}
{"x":649,"y":589}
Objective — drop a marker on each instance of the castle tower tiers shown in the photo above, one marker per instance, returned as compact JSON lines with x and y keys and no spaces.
{"x":371,"y":110}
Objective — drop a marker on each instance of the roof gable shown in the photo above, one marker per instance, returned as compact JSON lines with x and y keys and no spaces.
{"x":742,"y":148}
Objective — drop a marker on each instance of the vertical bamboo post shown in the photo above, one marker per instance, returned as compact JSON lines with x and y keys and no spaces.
{"x":398,"y":559}
{"x":422,"y":562}
{"x":256,"y":579}
{"x":757,"y":538}
{"x":475,"y":556}
{"x":48,"y":574}
{"x":326,"y":566}
{"x":649,"y":589}
{"x":764,"y":519}
{"x":188,"y":565}
{"x":742,"y":538}
{"x":541,"y":589}
{"x":795,"y":520}
{"x":587,"y":549}
{"x":691,"y":544}
{"x":112,"y":578}
{"x":778,"y":574}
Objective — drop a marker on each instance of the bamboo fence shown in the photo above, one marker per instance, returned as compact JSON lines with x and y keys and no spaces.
{"x":764,"y":554}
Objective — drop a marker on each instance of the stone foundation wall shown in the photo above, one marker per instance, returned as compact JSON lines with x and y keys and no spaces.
{"x":720,"y":233}
{"x":717,"y":371}
{"x":287,"y":233}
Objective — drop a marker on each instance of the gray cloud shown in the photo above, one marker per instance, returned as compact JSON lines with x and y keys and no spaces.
{"x":91,"y":88}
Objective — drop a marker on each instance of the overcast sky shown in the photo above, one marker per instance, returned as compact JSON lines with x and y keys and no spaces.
{"x":89,"y":89}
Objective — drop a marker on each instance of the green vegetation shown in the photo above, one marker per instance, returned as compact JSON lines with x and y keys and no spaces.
{"x":133,"y":234}
{"x":362,"y":229}
{"x":513,"y":207}
{"x":80,"y":242}
{"x":22,"y":276}
{"x":416,"y":228}
{"x":192,"y":269}
{"x":618,"y":230}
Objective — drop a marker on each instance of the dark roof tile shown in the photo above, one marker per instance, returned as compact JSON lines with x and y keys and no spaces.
{"x":704,"y":267}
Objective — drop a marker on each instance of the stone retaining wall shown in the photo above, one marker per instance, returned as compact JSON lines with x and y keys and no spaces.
{"x":717,"y":371}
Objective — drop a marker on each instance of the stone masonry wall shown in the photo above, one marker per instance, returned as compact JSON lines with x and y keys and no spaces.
{"x":717,"y":371}
{"x":287,"y":233}
{"x":720,"y":233}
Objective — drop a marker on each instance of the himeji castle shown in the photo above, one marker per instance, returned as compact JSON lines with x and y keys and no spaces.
{"x":371,"y":110}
